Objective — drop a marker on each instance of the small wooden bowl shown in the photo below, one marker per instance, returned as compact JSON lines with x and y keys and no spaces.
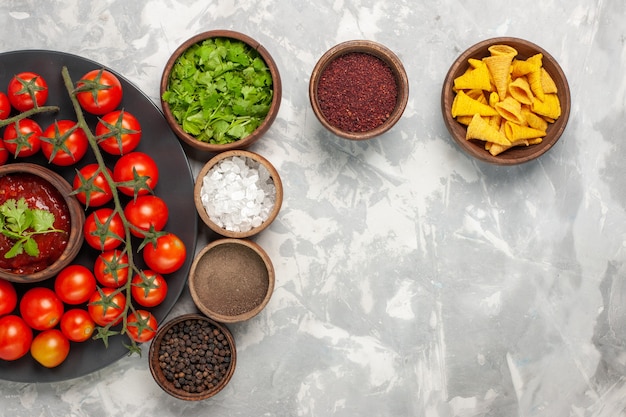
{"x":379,"y":51}
{"x":231,"y":280}
{"x":518,"y":154}
{"x":198,"y":193}
{"x":156,"y":364}
{"x":269,"y":118}
{"x":77,"y":220}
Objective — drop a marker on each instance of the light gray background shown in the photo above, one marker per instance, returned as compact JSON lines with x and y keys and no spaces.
{"x":411,"y":280}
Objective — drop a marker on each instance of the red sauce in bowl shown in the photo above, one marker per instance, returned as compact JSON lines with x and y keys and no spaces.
{"x":39,"y":194}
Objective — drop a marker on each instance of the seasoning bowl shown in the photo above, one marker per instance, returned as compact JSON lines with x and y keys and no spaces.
{"x":276,"y":92}
{"x":231,"y":280}
{"x":196,"y":381}
{"x":218,"y":187}
{"x":516,"y":154}
{"x":342,"y":104}
{"x":59,"y":186}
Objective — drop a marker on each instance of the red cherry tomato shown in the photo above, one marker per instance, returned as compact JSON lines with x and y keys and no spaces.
{"x":111,"y":268}
{"x":5,"y":106}
{"x":26,"y":90}
{"x":22,"y":138}
{"x":167,"y":256}
{"x":138,"y":167}
{"x":4,"y":153}
{"x":145,"y":212}
{"x":141,"y":326}
{"x":41,"y":308}
{"x":75,"y":284}
{"x":148,"y":289}
{"x":118,"y":132}
{"x":104,"y":92}
{"x":15,"y":337}
{"x":50,"y":348}
{"x":8,"y":297}
{"x":93,"y":188}
{"x":63,"y":143}
{"x":77,"y":325}
{"x":106,"y":306}
{"x":104,"y":229}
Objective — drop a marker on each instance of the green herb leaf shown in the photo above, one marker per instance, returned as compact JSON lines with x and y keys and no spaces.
{"x":30,"y":246}
{"x":14,"y":213}
{"x":220,"y":90}
{"x":42,"y":220}
{"x":15,"y":250}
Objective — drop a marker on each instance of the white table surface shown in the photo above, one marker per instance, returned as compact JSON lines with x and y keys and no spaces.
{"x":411,"y":279}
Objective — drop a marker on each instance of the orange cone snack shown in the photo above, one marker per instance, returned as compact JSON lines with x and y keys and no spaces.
{"x":512,"y":105}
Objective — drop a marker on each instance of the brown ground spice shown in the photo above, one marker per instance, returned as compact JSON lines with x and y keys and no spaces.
{"x":232,"y":279}
{"x":357,"y":92}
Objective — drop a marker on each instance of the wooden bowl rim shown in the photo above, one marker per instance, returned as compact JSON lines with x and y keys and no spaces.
{"x":269,"y":118}
{"x":77,"y":221}
{"x":247,"y":245}
{"x":229,"y":154}
{"x":383,"y":53}
{"x":516,"y":155}
{"x":157,"y":374}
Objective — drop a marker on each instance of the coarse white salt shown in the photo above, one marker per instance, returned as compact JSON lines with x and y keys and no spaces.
{"x":238,"y":193}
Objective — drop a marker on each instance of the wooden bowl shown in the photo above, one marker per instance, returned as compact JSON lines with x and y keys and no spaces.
{"x":167,"y":337}
{"x":378,"y":51}
{"x":77,"y":220}
{"x":269,"y":118}
{"x":213,"y":223}
{"x":518,"y":154}
{"x":231,"y":280}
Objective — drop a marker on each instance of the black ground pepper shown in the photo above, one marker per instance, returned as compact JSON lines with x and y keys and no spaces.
{"x":357,"y":92}
{"x":194,"y":356}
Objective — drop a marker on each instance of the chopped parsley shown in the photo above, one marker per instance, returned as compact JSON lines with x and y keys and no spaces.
{"x":220,"y":90}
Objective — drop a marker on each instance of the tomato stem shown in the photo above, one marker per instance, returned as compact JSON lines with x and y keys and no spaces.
{"x":27,"y":114}
{"x":119,"y":209}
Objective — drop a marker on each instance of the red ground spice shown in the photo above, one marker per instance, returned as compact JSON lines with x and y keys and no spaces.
{"x":357,"y":92}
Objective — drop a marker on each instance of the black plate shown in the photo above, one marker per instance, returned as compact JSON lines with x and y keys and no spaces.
{"x":175,"y":187}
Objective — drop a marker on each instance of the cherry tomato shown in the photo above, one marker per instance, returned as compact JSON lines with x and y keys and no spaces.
{"x":145,"y":212}
{"x":4,"y":153}
{"x":8,"y":297}
{"x":138,"y":167}
{"x":26,"y":90}
{"x":15,"y":337}
{"x":118,"y":132}
{"x":75,"y":284}
{"x":64,"y":143}
{"x":77,"y":325}
{"x":111,"y":268}
{"x":148,"y":289}
{"x":141,"y":326}
{"x":22,"y":138}
{"x":41,"y":308}
{"x":5,"y":106}
{"x":104,"y":229}
{"x":50,"y":348}
{"x":92,"y":188}
{"x":106,"y":306}
{"x":167,"y":256}
{"x":102,"y":92}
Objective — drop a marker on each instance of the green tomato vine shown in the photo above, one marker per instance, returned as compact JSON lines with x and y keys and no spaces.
{"x":105,"y":332}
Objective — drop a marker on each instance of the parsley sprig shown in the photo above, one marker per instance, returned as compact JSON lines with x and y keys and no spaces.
{"x":20,"y":223}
